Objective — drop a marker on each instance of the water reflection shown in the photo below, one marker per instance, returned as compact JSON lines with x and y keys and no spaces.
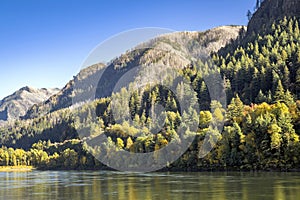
{"x":39,"y":185}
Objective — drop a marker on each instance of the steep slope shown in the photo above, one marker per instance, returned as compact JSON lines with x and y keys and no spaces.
{"x":271,"y":10}
{"x":16,"y":105}
{"x":173,"y":49}
{"x":63,"y":98}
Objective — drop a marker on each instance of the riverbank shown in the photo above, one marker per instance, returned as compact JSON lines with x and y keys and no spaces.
{"x":16,"y":168}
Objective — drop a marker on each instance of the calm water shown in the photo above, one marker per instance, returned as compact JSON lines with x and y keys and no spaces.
{"x":39,"y":185}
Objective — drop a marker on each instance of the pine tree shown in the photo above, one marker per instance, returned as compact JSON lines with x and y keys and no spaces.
{"x":286,"y":77}
{"x":204,"y":97}
{"x":275,"y":81}
{"x":256,"y":50}
{"x":260,"y":97}
{"x":290,"y":28}
{"x":263,"y":82}
{"x":249,"y":15}
{"x":279,"y":93}
{"x":269,"y":97}
{"x":296,"y":30}
{"x":257,"y":5}
{"x":255,"y":83}
{"x":284,"y":55}
{"x":235,"y":110}
{"x":229,"y":93}
{"x":288,"y":98}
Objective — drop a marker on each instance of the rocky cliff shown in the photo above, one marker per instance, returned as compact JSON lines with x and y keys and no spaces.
{"x":271,"y":10}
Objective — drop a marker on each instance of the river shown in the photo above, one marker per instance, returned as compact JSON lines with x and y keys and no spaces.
{"x":106,"y":185}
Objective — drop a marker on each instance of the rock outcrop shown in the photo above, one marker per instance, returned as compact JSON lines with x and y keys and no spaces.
{"x":16,"y":105}
{"x":271,"y":10}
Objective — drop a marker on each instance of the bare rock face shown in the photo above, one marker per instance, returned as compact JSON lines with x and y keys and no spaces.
{"x":271,"y":10}
{"x":17,"y":104}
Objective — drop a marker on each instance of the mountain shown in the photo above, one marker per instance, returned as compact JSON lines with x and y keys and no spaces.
{"x":272,"y":10}
{"x":16,"y":105}
{"x":174,"y":49}
{"x":261,"y":123}
{"x":63,"y":98}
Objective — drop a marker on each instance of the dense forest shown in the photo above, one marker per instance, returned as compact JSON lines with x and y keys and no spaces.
{"x":261,"y":131}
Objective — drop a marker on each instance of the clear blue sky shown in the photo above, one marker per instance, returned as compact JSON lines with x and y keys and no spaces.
{"x":44,"y":43}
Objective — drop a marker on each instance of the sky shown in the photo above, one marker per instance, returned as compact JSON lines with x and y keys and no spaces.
{"x":43,"y":44}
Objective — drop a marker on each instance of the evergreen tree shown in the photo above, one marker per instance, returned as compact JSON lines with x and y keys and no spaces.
{"x":260,"y":97}
{"x":279,"y":93}
{"x":235,"y":110}
{"x":249,"y":15}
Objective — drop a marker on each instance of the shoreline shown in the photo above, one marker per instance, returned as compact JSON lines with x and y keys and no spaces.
{"x":31,"y":168}
{"x":16,"y":168}
{"x":183,"y":170}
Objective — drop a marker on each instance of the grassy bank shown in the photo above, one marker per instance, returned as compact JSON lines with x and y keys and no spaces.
{"x":16,"y":168}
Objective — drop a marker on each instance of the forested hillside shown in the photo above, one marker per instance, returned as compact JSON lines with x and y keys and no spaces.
{"x":261,"y":76}
{"x":171,"y":49}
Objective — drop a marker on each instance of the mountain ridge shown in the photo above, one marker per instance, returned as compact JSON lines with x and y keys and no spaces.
{"x":212,"y":39}
{"x":16,"y":105}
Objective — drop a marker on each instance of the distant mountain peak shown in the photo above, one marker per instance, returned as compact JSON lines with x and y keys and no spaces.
{"x":16,"y":105}
{"x":27,"y":88}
